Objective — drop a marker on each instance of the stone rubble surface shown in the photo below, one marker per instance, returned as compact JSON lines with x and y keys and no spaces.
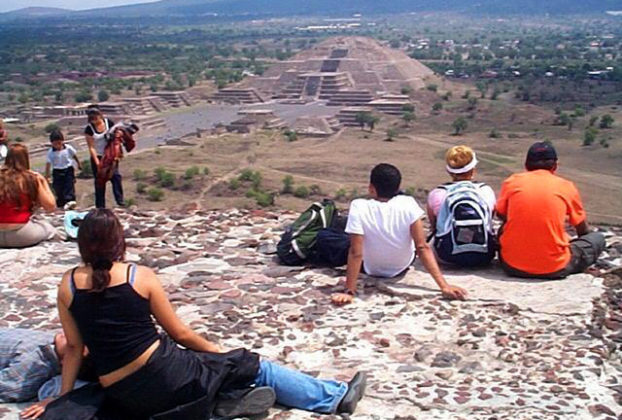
{"x":517,"y":349}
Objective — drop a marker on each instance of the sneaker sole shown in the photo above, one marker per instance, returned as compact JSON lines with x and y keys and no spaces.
{"x":256,"y":401}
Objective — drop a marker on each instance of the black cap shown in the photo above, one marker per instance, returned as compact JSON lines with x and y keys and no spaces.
{"x":541,"y":150}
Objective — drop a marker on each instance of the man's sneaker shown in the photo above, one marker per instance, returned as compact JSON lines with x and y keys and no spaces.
{"x":256,"y":401}
{"x":70,"y":205}
{"x":356,"y":389}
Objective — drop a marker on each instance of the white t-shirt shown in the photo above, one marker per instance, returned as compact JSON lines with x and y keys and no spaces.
{"x":61,"y":159}
{"x":388,"y":248}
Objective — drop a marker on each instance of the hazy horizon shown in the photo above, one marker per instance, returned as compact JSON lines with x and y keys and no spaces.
{"x":9,"y":5}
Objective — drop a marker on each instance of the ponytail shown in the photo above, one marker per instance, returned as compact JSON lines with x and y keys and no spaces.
{"x":101,"y":274}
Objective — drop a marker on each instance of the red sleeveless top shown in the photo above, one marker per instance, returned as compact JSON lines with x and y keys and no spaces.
{"x":11,"y":213}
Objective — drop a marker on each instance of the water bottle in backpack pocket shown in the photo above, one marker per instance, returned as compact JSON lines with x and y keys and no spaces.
{"x":464,"y":226}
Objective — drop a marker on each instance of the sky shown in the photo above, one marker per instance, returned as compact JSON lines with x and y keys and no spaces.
{"x":8,"y":5}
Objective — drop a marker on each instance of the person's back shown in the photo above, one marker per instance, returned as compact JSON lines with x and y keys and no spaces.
{"x":388,"y":247}
{"x":535,"y":206}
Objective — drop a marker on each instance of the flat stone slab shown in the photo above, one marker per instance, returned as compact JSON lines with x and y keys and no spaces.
{"x":572,"y":295}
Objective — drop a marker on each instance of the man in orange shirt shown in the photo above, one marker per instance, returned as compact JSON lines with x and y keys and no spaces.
{"x":534,"y":206}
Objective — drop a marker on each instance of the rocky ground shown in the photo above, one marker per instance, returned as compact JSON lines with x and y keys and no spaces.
{"x":515,"y":350}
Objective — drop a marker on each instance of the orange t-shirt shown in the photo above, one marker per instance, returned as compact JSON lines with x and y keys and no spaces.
{"x":535,"y":205}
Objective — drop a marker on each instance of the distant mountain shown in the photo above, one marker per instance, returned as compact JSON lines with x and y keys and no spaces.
{"x":344,"y":7}
{"x":257,"y":8}
{"x":36,"y":12}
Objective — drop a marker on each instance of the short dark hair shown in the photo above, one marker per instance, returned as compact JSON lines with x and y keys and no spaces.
{"x":547,"y":164}
{"x":56,"y":134}
{"x":386,"y":179}
{"x":93,"y":110}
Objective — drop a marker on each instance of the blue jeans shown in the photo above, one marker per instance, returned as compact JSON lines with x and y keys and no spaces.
{"x":298,"y":390}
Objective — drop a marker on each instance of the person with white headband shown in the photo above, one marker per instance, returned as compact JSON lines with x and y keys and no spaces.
{"x":460,"y":213}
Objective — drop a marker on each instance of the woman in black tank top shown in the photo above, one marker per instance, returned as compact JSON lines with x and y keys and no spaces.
{"x":109,"y":307}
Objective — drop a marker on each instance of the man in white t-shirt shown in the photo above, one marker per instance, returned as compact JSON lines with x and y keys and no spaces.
{"x":384,"y":233}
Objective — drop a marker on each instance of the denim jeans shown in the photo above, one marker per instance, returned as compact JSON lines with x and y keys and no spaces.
{"x":100,"y":192}
{"x":63,"y":182}
{"x":298,"y":390}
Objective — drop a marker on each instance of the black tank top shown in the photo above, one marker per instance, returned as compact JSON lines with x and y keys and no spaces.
{"x":115,"y":324}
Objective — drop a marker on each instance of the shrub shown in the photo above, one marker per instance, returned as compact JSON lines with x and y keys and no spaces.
{"x":129,"y":202}
{"x":191,"y":172}
{"x":262,"y":198}
{"x":291,"y":135}
{"x":288,"y":184}
{"x":589,"y":136}
{"x":437,"y":107}
{"x":155,"y":194}
{"x":408,"y":108}
{"x":234,"y":184}
{"x":51,"y":127}
{"x":494,"y":134}
{"x":18,"y":139}
{"x":472,"y":103}
{"x":246,"y":175}
{"x":446,"y":96}
{"x":103,"y":96}
{"x":139,"y":174}
{"x":391,"y":134}
{"x":406,"y":90}
{"x":466,"y":94}
{"x":606,"y":121}
{"x":341,"y":194}
{"x":408,"y":117}
{"x":301,"y":192}
{"x":579,"y":111}
{"x":593,"y":120}
{"x":206,"y":171}
{"x":141,"y":188}
{"x":459,"y":125}
{"x":432,"y":87}
{"x":315,"y":190}
{"x":410,"y":191}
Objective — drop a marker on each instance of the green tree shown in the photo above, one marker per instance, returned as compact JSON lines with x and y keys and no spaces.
{"x":83,"y":96}
{"x":459,"y":125}
{"x":482,"y":87}
{"x":472,"y":101}
{"x":437,"y":107}
{"x":408,"y":117}
{"x":301,"y":192}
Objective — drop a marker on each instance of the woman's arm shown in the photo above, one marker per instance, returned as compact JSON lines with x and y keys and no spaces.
{"x":90,"y":142}
{"x":164,"y":313}
{"x":75,"y":346}
{"x":45,"y":197}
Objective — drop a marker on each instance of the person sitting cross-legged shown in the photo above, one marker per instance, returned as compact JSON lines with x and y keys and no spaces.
{"x":460,"y":213}
{"x":108,"y":305}
{"x":385,"y":231}
{"x":534,"y":206}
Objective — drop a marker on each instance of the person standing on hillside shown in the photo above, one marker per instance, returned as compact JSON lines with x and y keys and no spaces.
{"x":60,"y":159}
{"x":534,"y":206}
{"x":96,"y":138}
{"x":385,"y":231}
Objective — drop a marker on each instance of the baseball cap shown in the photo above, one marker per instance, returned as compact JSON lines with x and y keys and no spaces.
{"x":541,"y":151}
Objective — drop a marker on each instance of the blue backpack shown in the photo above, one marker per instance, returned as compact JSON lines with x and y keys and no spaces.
{"x":464,"y":226}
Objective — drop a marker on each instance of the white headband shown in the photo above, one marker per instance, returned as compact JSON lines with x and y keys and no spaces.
{"x":472,"y":164}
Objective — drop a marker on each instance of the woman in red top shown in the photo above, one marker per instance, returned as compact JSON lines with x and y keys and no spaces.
{"x":21,"y":192}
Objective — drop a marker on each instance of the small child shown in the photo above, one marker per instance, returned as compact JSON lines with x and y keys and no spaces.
{"x":4,"y":142}
{"x":59,"y":158}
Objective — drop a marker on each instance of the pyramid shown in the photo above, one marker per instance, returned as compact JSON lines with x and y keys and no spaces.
{"x":344,"y":70}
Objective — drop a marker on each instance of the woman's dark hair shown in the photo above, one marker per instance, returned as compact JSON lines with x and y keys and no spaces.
{"x":93,"y":111}
{"x":101,"y":243}
{"x":386,"y":180}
